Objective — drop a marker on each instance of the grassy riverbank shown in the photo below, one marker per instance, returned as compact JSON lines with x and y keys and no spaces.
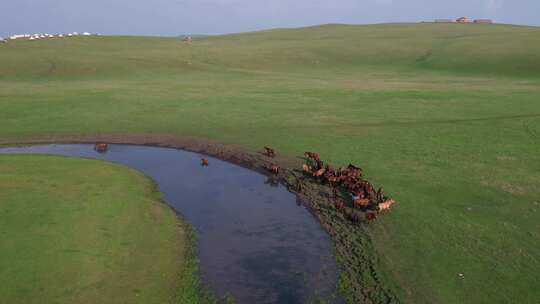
{"x":84,"y":231}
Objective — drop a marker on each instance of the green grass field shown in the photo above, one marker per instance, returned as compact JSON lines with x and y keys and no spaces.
{"x":445,"y":116}
{"x":82,"y":231}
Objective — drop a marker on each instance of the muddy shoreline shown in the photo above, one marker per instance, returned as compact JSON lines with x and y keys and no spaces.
{"x":359,"y":281}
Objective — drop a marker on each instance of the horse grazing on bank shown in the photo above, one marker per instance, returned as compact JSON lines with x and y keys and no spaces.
{"x":385,"y":206}
{"x":339,"y":204}
{"x":371,"y":216}
{"x":269,"y":152}
{"x":361,"y":202}
{"x":319,"y":173}
{"x":312,"y":155}
{"x":274,"y":169}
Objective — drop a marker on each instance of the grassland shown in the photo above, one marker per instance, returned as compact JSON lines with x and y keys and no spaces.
{"x":446,"y":117}
{"x":81,"y":231}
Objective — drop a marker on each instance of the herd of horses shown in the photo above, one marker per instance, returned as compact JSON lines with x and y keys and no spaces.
{"x":347,"y":182}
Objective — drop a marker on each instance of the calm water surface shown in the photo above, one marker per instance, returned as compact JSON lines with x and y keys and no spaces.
{"x":254,"y":241}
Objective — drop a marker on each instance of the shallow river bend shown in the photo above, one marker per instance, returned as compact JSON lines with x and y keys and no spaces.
{"x":254,"y":241}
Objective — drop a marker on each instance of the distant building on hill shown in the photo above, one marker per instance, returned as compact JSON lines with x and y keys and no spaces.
{"x":464,"y":20}
{"x":485,"y":21}
{"x":444,"y":21}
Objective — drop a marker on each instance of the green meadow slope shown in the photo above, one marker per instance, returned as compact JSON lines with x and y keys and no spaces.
{"x":84,"y":231}
{"x":445,"y":116}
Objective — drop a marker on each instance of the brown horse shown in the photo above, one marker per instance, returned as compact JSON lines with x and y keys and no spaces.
{"x":299,"y":184}
{"x":307,"y":168}
{"x":371,"y":216}
{"x":312,"y":155}
{"x":340,"y":205}
{"x":269,"y":152}
{"x":274,"y":169}
{"x":361,"y":202}
{"x":319,"y":173}
{"x":101,"y":147}
{"x":380,"y":195}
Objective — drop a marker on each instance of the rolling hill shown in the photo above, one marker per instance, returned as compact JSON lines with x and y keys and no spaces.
{"x":445,"y":116}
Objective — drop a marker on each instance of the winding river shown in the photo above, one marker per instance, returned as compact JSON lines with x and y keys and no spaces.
{"x":254,"y":241}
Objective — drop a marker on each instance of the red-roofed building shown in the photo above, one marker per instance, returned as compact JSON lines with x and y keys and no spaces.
{"x":463,"y":20}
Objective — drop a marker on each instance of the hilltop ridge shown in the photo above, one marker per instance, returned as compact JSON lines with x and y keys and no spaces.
{"x":494,"y":50}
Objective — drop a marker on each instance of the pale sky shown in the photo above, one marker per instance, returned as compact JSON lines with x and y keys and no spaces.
{"x":175,"y":17}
